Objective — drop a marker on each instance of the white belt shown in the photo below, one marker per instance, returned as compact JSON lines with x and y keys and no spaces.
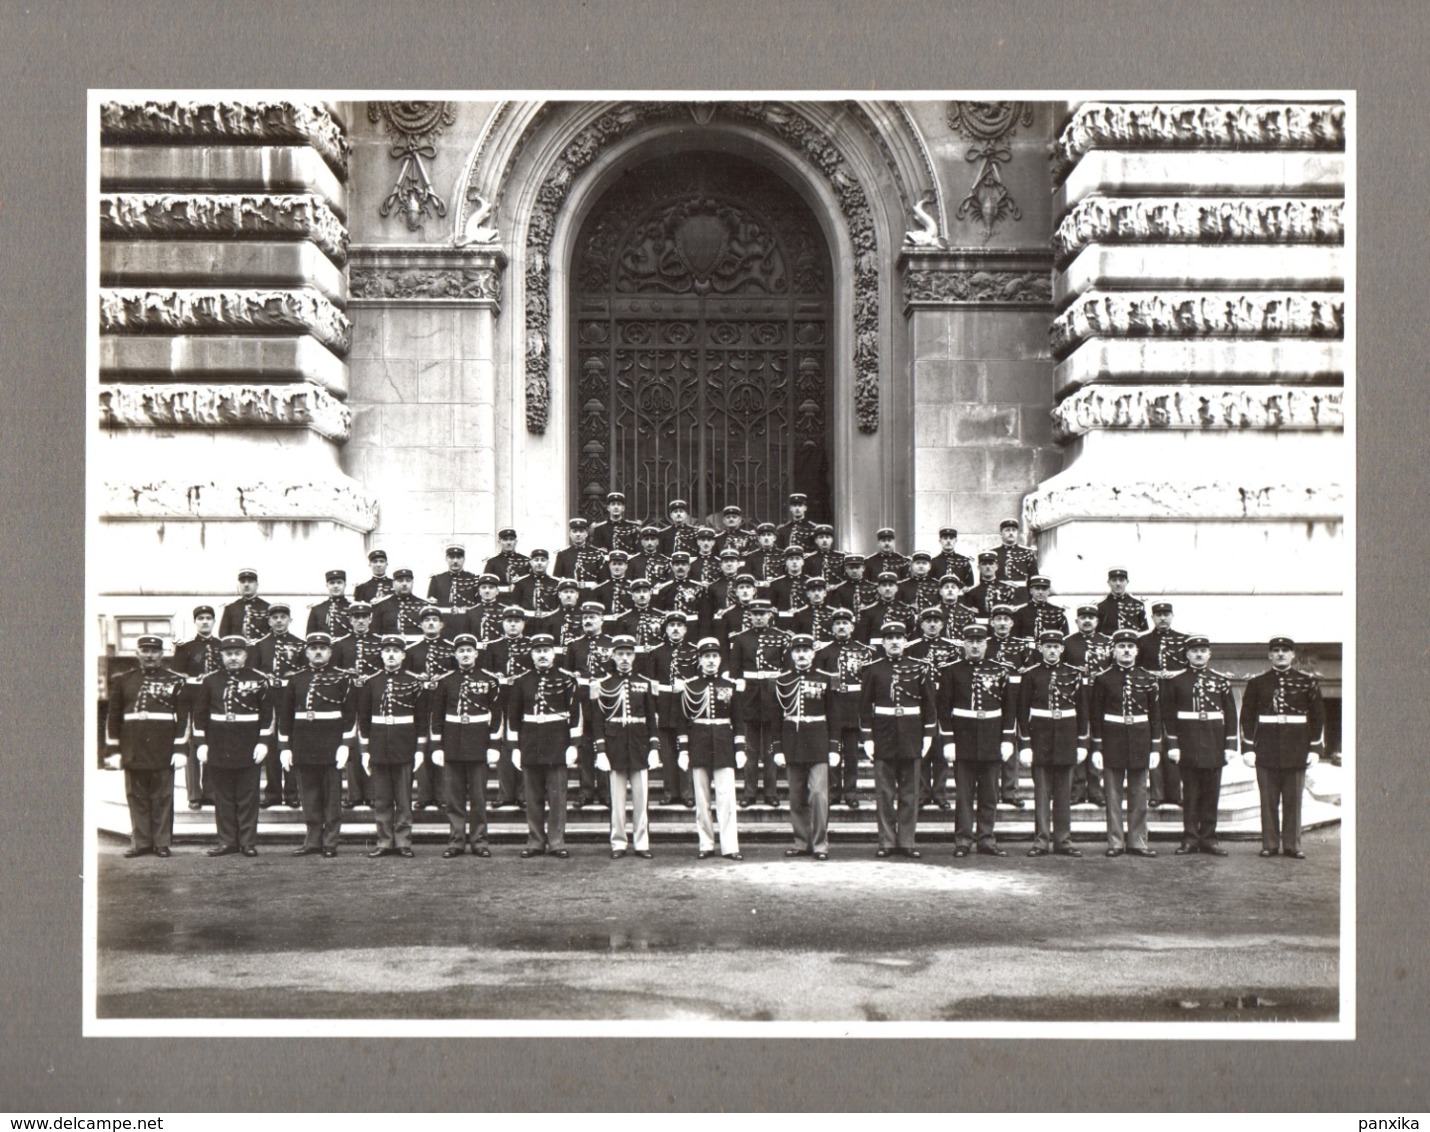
{"x":622,"y":721}
{"x":974,"y":713}
{"x":760,"y":675}
{"x":546,"y":717}
{"x":712,"y":722}
{"x":900,"y":710}
{"x":1128,"y":719}
{"x":391,"y":720}
{"x":485,"y":717}
{"x":310,"y":716}
{"x":164,"y":715}
{"x":804,"y":719}
{"x":1282,"y":718}
{"x":1200,"y":715}
{"x":235,"y":717}
{"x":1052,"y":713}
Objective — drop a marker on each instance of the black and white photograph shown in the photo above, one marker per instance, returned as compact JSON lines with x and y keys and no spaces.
{"x":764,"y":563}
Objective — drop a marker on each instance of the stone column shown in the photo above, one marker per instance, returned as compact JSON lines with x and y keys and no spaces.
{"x":1199,"y":285}
{"x":222,"y":352}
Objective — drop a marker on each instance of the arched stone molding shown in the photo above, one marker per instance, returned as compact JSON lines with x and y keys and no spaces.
{"x":800,"y":142}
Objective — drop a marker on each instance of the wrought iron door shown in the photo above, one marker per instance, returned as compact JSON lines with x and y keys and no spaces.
{"x":701,"y":327}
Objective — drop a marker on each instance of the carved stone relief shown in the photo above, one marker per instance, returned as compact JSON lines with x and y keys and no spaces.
{"x":1199,"y":407}
{"x":225,"y":406}
{"x":155,"y":310}
{"x":465,"y":283}
{"x":978,"y":285}
{"x":231,"y":216}
{"x":414,"y":127}
{"x":989,"y":125}
{"x":1265,"y":500}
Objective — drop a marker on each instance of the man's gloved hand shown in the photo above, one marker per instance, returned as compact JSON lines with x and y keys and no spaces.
{"x":285,"y":759}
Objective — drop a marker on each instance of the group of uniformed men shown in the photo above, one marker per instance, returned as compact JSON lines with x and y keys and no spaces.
{"x":800,"y":660}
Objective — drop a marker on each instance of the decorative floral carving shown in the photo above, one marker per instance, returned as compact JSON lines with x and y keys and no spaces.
{"x":225,"y":406}
{"x":962,"y":285}
{"x":1199,"y":125}
{"x":466,"y":283}
{"x":229,"y":216}
{"x":239,"y":123}
{"x":146,"y":310}
{"x":785,"y":123}
{"x":336,"y":500}
{"x":1197,"y":407}
{"x":415,"y":126}
{"x":1265,"y":501}
{"x":1198,"y":314}
{"x":1219,"y":220}
{"x":988,"y":125}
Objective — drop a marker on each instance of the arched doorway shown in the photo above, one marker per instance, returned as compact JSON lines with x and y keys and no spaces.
{"x":701,"y":319}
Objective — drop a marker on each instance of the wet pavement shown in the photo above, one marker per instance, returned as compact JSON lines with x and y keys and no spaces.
{"x":854,"y":938}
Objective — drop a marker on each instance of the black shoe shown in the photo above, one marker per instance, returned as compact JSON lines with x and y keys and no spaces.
{"x":960,"y":852}
{"x":773,"y":803}
{"x":406,"y":851}
{"x":617,"y":854}
{"x":746,"y":803}
{"x":481,"y":851}
{"x":1113,"y":853}
{"x":912,"y":854}
{"x":644,"y":854}
{"x":162,"y":851}
{"x":217,"y":851}
{"x":330,"y":853}
{"x":1268,"y":852}
{"x":1294,"y":854}
{"x":561,"y":854}
{"x":1068,"y":852}
{"x":527,"y":854}
{"x":383,"y":853}
{"x":452,"y":851}
{"x":1215,"y":850}
{"x":348,"y":803}
{"x":944,"y":804}
{"x":266,"y":804}
{"x":882,"y":854}
{"x":196,"y":805}
{"x":853,"y":803}
{"x":704,"y":854}
{"x":688,"y":803}
{"x":992,"y":851}
{"x":1142,"y":852}
{"x":798,"y":853}
{"x":304,"y":851}
{"x":1036,"y":852}
{"x":145,"y":852}
{"x":1154,"y":804}
{"x":249,"y":850}
{"x":733,"y":856}
{"x":1183,"y":850}
{"x":1098,"y":801}
{"x":821,"y":856}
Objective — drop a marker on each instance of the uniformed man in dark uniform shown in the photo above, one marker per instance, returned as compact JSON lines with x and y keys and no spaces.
{"x":920,"y":589}
{"x":843,"y":660}
{"x":886,"y":558}
{"x":1119,"y":609}
{"x":1199,"y":717}
{"x":393,"y":722}
{"x":536,"y":590}
{"x":248,"y":616}
{"x":650,"y":563}
{"x":977,"y":722}
{"x":756,"y":657}
{"x":670,"y":665}
{"x":1163,"y":652}
{"x":718,"y":594}
{"x":317,"y":724}
{"x":455,"y":589}
{"x":563,"y":623}
{"x":824,"y":560}
{"x":584,"y":564}
{"x":1053,"y":736}
{"x":194,"y":659}
{"x":1039,"y":615}
{"x":711,"y":740}
{"x":799,"y":531}
{"x":615,"y":592}
{"x":733,"y":536}
{"x":897,"y":720}
{"x":957,"y":616}
{"x":705,"y":565}
{"x":588,"y":658}
{"x":616,"y":532}
{"x":680,"y":533}
{"x":507,"y":564}
{"x":544,"y":724}
{"x":148,"y":735}
{"x":990,"y":591}
{"x":1017,"y":653}
{"x":623,"y":727}
{"x":1090,"y":652}
{"x":1283,"y":725}
{"x":937,"y":651}
{"x":379,"y":586}
{"x":642,"y":622}
{"x":1126,"y":724}
{"x":681,"y":593}
{"x":806,"y":748}
{"x":787,"y":593}
{"x":359,"y":654}
{"x":949,"y":561}
{"x":817,"y":617}
{"x":509,"y":657}
{"x":431,"y":658}
{"x":278,"y":656}
{"x":466,"y":734}
{"x":484,"y":620}
{"x":233,"y":724}
{"x":401,"y":614}
{"x":888,"y":608}
{"x":767,"y":561}
{"x":1016,"y":563}
{"x":331,"y":614}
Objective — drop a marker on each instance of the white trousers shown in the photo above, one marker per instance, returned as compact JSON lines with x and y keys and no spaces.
{"x":724,"y":783}
{"x":639,"y":818}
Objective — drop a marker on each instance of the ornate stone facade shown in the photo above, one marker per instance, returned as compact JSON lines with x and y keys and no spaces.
{"x":447,"y":283}
{"x":157,"y":310}
{"x":232,"y":216}
{"x":1198,"y":314}
{"x":978,"y":285}
{"x":225,"y":406}
{"x":1198,"y":407}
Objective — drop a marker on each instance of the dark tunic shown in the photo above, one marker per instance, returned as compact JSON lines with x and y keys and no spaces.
{"x":545,"y":716}
{"x":1283,"y":718}
{"x":317,"y":713}
{"x":1126,"y":713}
{"x":233,"y":713}
{"x":1052,"y":714}
{"x":1199,"y":714}
{"x":392,"y":715}
{"x":623,"y":720}
{"x":712,"y":724}
{"x":148,"y":720}
{"x":898,"y":709}
{"x":466,"y":714}
{"x":977,"y":708}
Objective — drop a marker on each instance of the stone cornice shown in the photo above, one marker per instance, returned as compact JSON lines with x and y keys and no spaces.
{"x":250,"y":122}
{"x":1199,"y":125}
{"x":336,"y":500}
{"x":164,"y":310}
{"x":225,"y":406}
{"x":1159,"y":500}
{"x":1198,"y":314}
{"x":1198,"y":408}
{"x":1211,"y":220}
{"x":974,"y":277}
{"x":234,"y":216}
{"x":426,"y":275}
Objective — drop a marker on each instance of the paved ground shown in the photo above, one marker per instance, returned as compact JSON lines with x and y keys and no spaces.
{"x":854,"y":938}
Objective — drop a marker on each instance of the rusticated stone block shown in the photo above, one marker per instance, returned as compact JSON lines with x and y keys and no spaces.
{"x":1266,"y":500}
{"x":224,"y":406}
{"x":260,"y":361}
{"x":1199,"y":125}
{"x":1199,"y":314}
{"x":205,"y":263}
{"x":145,"y":310}
{"x":948,"y":469}
{"x":1240,"y":172}
{"x":336,"y":499}
{"x":1198,"y":407}
{"x":1192,"y":267}
{"x":220,"y":169}
{"x":251,"y":122}
{"x":1196,"y":360}
{"x":234,"y":216}
{"x":1281,"y":220}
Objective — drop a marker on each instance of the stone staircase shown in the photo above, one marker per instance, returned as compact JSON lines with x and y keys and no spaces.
{"x":1239,"y":817}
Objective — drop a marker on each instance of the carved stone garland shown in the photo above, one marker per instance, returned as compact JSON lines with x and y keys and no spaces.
{"x":792,"y":128}
{"x":988,"y":125}
{"x":414,"y":125}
